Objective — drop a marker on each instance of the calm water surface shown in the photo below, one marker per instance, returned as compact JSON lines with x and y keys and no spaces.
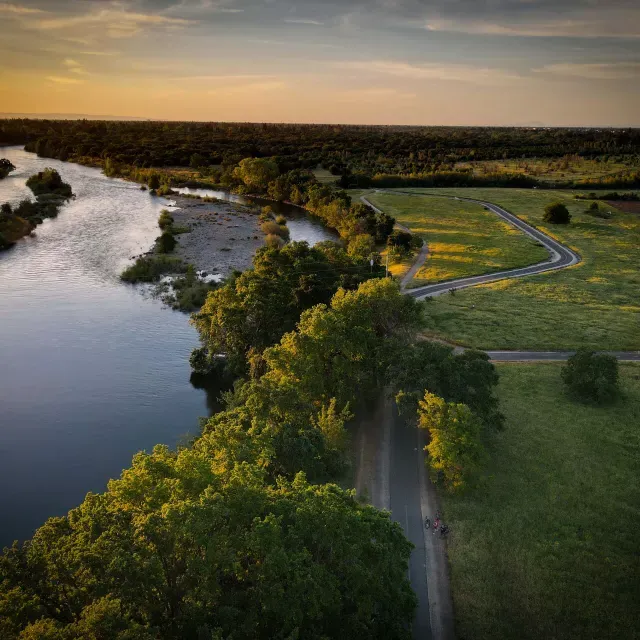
{"x":91,"y":370}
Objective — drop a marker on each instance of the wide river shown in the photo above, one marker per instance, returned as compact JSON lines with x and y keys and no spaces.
{"x":91,"y":370}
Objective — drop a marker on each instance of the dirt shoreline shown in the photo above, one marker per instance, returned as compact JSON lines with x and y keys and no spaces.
{"x":224,"y":236}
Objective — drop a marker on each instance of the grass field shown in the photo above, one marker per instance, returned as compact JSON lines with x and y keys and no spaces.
{"x":463,"y":238}
{"x":548,"y":546}
{"x":554,"y":169}
{"x":324,"y":176}
{"x":594,"y":304}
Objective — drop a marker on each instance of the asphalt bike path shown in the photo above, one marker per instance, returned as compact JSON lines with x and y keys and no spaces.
{"x":407,"y":490}
{"x":560,"y":256}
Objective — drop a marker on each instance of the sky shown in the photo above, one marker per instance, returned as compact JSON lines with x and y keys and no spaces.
{"x":406,"y":62}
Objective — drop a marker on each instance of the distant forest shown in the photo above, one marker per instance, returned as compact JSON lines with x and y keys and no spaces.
{"x":366,"y":149}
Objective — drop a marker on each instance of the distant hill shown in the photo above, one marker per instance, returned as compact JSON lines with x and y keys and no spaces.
{"x":67,"y":116}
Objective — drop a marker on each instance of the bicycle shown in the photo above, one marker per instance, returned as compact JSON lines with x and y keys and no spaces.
{"x":428,"y":522}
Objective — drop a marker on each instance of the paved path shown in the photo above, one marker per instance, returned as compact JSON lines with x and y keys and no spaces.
{"x":420,"y":258}
{"x":398,"y":479}
{"x":391,"y":475}
{"x":560,"y":256}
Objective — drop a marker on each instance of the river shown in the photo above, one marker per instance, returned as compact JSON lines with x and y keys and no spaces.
{"x":92,"y":370}
{"x":302,"y":226}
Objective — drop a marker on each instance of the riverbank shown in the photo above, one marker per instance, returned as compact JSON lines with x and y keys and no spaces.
{"x":224,"y":236}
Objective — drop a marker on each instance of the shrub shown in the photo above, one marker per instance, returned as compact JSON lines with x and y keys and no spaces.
{"x":556,"y":213}
{"x":592,"y":377}
{"x":151,"y":268}
{"x":166,"y":243}
{"x":154,"y":182}
{"x":274,"y":241}
{"x":281,"y":220}
{"x":165,"y":190}
{"x":165,"y":220}
{"x":266,"y":214}
{"x":273,"y":228}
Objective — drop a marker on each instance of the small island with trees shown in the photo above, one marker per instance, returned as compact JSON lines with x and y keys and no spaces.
{"x":20,"y":220}
{"x":6,"y":167}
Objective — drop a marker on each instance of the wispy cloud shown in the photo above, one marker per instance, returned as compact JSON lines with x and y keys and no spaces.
{"x":316,"y":23}
{"x":374,"y":94}
{"x":118,"y":24}
{"x":99,"y":53}
{"x":248,"y":88}
{"x":579,"y":28}
{"x":601,"y":71}
{"x":16,"y":9}
{"x":433,"y":71}
{"x":216,"y":6}
{"x":64,"y":80}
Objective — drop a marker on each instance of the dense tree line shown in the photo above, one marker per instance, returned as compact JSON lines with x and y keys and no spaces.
{"x":227,"y":538}
{"x":366,"y":149}
{"x":254,"y":309}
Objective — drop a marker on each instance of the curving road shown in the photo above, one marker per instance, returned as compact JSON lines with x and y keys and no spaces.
{"x":560,"y":256}
{"x":400,"y":469}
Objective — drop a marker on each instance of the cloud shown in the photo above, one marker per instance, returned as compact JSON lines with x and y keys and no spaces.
{"x":599,"y":71}
{"x":551,"y":28}
{"x":16,"y":9}
{"x":433,"y":71}
{"x":248,"y":88}
{"x":99,"y":53}
{"x":374,"y":94}
{"x":118,"y":24}
{"x":73,"y":66}
{"x":64,"y":80}
{"x":216,"y":6}
{"x":316,"y":23}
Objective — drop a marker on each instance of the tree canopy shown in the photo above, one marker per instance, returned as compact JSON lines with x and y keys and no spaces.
{"x":227,"y":538}
{"x":556,"y":213}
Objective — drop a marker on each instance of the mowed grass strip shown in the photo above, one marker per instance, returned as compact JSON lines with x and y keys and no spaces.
{"x":548,"y":545}
{"x":594,"y":304}
{"x":464,"y":239}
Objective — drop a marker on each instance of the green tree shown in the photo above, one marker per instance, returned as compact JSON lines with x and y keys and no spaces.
{"x":197,"y":160}
{"x":166,"y":243}
{"x":256,"y":173}
{"x":362,"y":246}
{"x":468,"y":378}
{"x":49,"y":182}
{"x":592,"y":377}
{"x":556,"y":213}
{"x":455,"y":450}
{"x":154,"y":181}
{"x":6,"y":167}
{"x":256,"y":308}
{"x":355,"y":339}
{"x":177,"y":549}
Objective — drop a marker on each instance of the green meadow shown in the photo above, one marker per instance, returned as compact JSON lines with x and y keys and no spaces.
{"x":547,"y":546}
